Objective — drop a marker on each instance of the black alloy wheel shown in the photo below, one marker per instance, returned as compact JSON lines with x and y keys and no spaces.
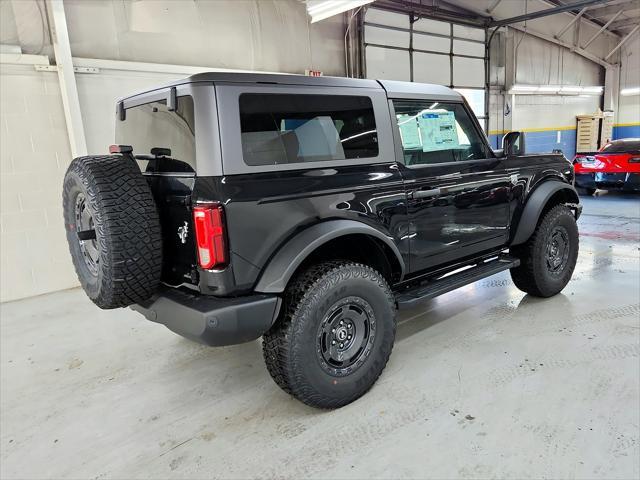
{"x":86,"y":234}
{"x":345,"y":335}
{"x":558,"y":250}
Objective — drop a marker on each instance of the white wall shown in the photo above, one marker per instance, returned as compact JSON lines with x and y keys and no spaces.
{"x":629,"y":106}
{"x":34,"y":154}
{"x":270,"y":35}
{"x":98,"y":94}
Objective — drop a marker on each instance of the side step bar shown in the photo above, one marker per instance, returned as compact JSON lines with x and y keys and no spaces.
{"x":411,"y":298}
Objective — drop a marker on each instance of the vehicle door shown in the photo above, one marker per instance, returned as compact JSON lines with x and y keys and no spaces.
{"x":457,"y":190}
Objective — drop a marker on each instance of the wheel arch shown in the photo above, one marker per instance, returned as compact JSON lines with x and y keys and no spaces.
{"x":543,"y":198}
{"x":326,"y":239}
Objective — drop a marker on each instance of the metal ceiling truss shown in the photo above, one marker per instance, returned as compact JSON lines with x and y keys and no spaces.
{"x":544,"y":13}
{"x":436,"y":12}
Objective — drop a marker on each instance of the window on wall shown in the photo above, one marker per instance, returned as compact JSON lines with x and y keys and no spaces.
{"x":291,"y":128}
{"x":434,"y":132}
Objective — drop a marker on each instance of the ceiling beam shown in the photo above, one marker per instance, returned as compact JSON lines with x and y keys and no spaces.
{"x":573,"y":48}
{"x":625,"y":22}
{"x":66,"y":77}
{"x":544,"y":13}
{"x":493,"y":6}
{"x":602,"y":29}
{"x":435,"y":12}
{"x":623,"y":41}
{"x":571,"y":22}
{"x":612,"y":9}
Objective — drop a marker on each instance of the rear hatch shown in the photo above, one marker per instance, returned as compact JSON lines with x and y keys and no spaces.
{"x":163,"y":143}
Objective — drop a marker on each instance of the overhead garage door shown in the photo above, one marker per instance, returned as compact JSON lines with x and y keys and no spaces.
{"x":428,"y":51}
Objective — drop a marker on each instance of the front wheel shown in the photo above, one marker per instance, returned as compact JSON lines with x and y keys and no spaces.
{"x":548,"y":258}
{"x":334,"y":335}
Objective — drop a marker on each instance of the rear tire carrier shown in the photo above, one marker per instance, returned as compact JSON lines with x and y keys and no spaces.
{"x":113,"y":230}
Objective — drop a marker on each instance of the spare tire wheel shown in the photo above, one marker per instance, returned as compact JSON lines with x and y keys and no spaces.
{"x":113,"y":230}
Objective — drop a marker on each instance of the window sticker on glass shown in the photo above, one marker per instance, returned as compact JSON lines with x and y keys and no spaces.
{"x":438,"y":130}
{"x":409,"y":132}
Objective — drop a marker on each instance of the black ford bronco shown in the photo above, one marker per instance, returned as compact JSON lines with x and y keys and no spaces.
{"x":307,"y":211}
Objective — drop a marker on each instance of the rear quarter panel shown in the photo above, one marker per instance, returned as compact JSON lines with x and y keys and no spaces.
{"x":264,"y":210}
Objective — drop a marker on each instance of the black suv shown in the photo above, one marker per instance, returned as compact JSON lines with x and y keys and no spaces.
{"x":307,"y":211}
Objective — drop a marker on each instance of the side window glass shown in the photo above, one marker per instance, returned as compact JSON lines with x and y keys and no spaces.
{"x":434,"y":132}
{"x":298,"y":128}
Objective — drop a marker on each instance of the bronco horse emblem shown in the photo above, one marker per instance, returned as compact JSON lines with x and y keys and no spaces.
{"x":183,"y":232}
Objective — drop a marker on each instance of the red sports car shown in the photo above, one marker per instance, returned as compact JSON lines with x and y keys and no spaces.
{"x":615,"y":167}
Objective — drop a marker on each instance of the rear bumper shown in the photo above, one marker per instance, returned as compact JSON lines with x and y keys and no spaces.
{"x":609,"y":181}
{"x":211,"y":320}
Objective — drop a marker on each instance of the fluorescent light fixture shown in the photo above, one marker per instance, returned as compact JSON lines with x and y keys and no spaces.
{"x":595,"y":90}
{"x":524,"y":88}
{"x":548,"y":88}
{"x":571,"y":89}
{"x":627,"y":92}
{"x":556,"y":90}
{"x":321,"y":9}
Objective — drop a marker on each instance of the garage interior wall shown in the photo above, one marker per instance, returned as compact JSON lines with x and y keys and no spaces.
{"x":549,"y":121}
{"x":113,"y":37}
{"x":628,"y":118}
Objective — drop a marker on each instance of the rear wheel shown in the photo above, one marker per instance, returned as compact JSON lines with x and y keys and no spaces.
{"x":113,"y":230}
{"x":548,"y":258}
{"x":334,"y":335}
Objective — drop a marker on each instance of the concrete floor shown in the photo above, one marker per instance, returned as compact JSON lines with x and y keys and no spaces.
{"x":484,"y":382}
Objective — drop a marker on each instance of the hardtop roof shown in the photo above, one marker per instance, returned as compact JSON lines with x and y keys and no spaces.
{"x":394,"y":88}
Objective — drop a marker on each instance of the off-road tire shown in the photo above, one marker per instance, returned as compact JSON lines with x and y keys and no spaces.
{"x":290,"y":347}
{"x":534,"y":276}
{"x":128,"y":240}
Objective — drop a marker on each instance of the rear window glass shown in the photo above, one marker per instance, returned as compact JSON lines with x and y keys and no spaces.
{"x":622,"y":147}
{"x":162,"y":140}
{"x":286,"y":128}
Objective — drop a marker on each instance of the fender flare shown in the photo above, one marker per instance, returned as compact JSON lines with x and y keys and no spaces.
{"x":536,"y":203}
{"x":284,"y":263}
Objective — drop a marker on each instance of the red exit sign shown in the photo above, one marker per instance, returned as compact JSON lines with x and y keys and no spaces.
{"x":313,"y":73}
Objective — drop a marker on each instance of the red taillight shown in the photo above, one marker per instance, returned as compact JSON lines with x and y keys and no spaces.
{"x":210,"y":236}
{"x":120,"y":149}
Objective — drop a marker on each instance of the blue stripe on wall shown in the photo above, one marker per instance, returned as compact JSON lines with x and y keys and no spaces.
{"x":544,"y":142}
{"x":626,"y":131}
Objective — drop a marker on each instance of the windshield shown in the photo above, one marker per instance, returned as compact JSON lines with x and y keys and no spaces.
{"x":622,"y":147}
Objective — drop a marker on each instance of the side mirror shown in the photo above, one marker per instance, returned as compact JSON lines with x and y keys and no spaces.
{"x":513,"y":144}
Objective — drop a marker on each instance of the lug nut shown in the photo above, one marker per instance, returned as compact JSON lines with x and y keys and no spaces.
{"x":341,"y":322}
{"x":333,"y":330}
{"x":333,"y":342}
{"x":341,"y":345}
{"x":349,"y":326}
{"x":349,"y":337}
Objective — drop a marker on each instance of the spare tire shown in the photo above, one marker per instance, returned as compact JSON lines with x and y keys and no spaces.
{"x":113,"y":230}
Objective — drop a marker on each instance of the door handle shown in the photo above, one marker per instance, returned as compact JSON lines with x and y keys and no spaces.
{"x":426,"y":193}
